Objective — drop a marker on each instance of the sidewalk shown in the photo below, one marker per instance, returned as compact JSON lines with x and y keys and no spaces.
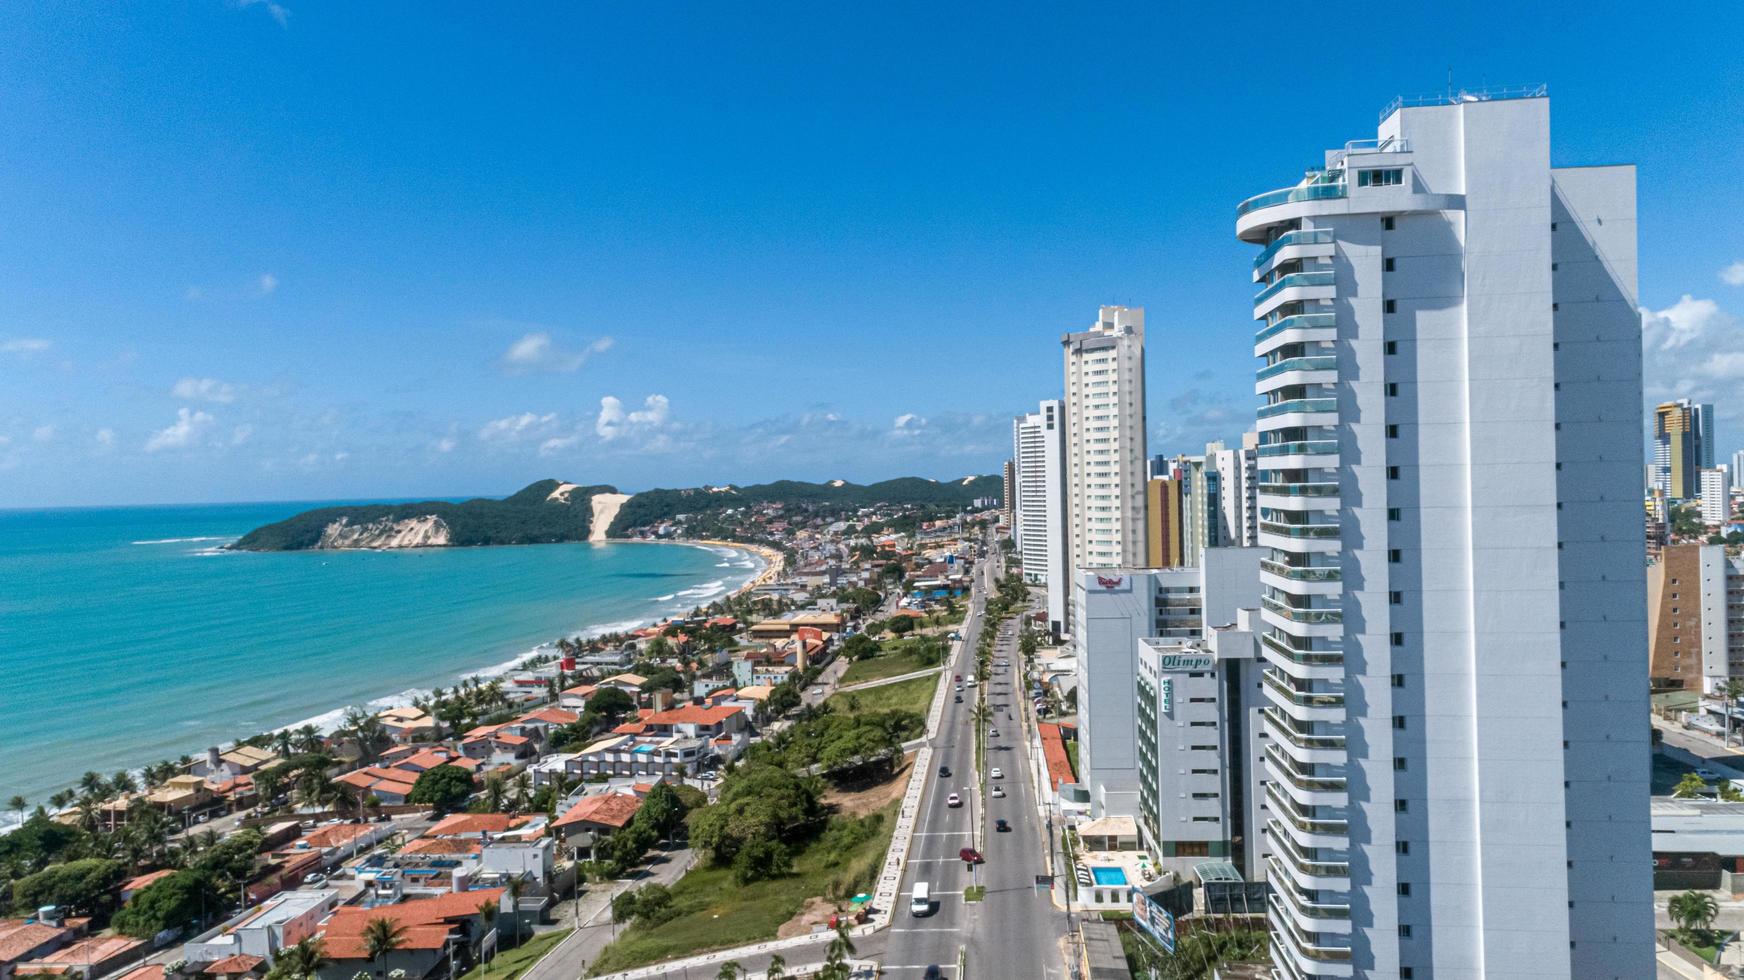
{"x":591,"y":915}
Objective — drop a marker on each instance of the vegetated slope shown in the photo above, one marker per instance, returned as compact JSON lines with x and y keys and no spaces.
{"x":538,"y":514}
{"x":654,"y":506}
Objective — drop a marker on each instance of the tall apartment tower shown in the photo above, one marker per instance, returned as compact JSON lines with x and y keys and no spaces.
{"x":1454,"y":603}
{"x":1237,"y":488}
{"x":1040,"y":445}
{"x":1105,"y":440}
{"x":1683,"y":445}
{"x":1738,"y":470}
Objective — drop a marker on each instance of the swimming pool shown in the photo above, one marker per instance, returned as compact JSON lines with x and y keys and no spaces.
{"x":1108,"y":876}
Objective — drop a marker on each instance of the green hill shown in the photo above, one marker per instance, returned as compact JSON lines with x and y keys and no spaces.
{"x":531,"y":516}
{"x":654,"y":506}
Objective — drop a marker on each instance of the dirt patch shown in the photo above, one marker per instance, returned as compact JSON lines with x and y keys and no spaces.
{"x":858,"y":801}
{"x":814,"y":915}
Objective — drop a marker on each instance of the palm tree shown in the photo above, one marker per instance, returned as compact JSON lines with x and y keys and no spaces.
{"x":282,"y":742}
{"x":487,"y":914}
{"x":495,"y":792}
{"x":62,"y":799}
{"x":92,"y":784}
{"x":1693,"y":910}
{"x":123,"y":782}
{"x":980,"y":714}
{"x":1733,"y":691}
{"x":516,"y":887}
{"x":777,"y":968}
{"x":382,"y":936}
{"x":20,"y":804}
{"x":300,"y":961}
{"x":730,"y":970}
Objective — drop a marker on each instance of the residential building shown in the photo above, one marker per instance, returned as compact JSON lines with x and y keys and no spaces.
{"x":264,"y":930}
{"x":1237,"y":506}
{"x":1695,"y":616}
{"x":1449,"y":459}
{"x":1683,"y":444}
{"x":1042,"y":537}
{"x":1105,"y":440}
{"x":1165,"y":523}
{"x":437,"y":931}
{"x":1008,"y":498}
{"x":1738,"y":470}
{"x":1716,"y":494}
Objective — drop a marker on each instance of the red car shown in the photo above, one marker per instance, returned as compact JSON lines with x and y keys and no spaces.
{"x":971,"y":856}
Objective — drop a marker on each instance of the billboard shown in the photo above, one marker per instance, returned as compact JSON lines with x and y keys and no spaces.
{"x":1154,"y":919}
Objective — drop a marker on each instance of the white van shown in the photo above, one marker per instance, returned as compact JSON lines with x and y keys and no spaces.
{"x":922,"y":902}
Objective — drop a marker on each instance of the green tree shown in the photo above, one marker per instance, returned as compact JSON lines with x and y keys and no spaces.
{"x":901,"y":625}
{"x":84,"y":886}
{"x":1692,"y":910}
{"x":301,"y":961}
{"x":19,"y":805}
{"x":382,"y":936}
{"x":1690,"y":786}
{"x":184,"y":898}
{"x":1734,"y":690}
{"x":444,"y":788}
{"x":761,"y":858}
{"x":777,"y":968}
{"x":730,"y":970}
{"x":610,"y":703}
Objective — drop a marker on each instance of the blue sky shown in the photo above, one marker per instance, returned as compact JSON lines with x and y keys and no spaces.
{"x":309,"y":250}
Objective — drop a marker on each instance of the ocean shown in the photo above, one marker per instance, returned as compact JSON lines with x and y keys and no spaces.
{"x":127,"y":635}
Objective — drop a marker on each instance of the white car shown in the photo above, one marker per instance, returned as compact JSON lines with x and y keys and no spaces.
{"x":993,"y":733}
{"x":997,"y":773}
{"x":999,"y":792}
{"x":953,"y":801}
{"x":971,"y":682}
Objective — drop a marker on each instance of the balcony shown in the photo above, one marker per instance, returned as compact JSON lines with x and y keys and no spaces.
{"x":1307,"y":658}
{"x":1310,"y":873}
{"x":1307,"y":699}
{"x":1309,"y":617}
{"x":1316,"y":362}
{"x":1321,"y":531}
{"x":1314,"y":950}
{"x":1307,"y":784}
{"x":1300,"y":489}
{"x":1317,"y":236}
{"x":1309,"y":743}
{"x":1324,"y":191}
{"x":1333,"y":911}
{"x":1297,"y":573}
{"x":1294,"y":280}
{"x":1302,"y":405}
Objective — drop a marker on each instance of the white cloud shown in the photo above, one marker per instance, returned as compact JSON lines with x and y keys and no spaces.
{"x":204,"y":390}
{"x":43,"y":433}
{"x":266,"y":283}
{"x":1733,"y":275}
{"x":24,"y":345}
{"x":445,"y":445}
{"x":1693,"y":349}
{"x":613,"y":422}
{"x":907,"y":425}
{"x":516,"y":427}
{"x":558,"y":444}
{"x":186,"y":431}
{"x":105,"y":438}
{"x":537,"y":352}
{"x":276,"y":11}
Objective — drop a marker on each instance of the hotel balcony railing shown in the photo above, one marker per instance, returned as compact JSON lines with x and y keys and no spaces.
{"x":1298,"y":405}
{"x":1307,"y":658}
{"x":1296,"y":573}
{"x":1319,"y":362}
{"x":1293,"y":279}
{"x":1306,"y":236}
{"x":1302,"y":944}
{"x":1291,"y":195}
{"x":1300,"y":530}
{"x":1286,"y":808}
{"x":1300,"y":489}
{"x":1313,"y":910}
{"x":1308,"y":784}
{"x":1283,"y":844}
{"x":1300,"y":321}
{"x":1322,"y":743}
{"x":1306,"y":699}
{"x":1312,"y":617}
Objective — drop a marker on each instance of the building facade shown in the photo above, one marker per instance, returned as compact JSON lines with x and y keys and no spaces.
{"x":1454,"y":623}
{"x":1105,"y":440}
{"x":1695,"y":616}
{"x":1237,"y":491}
{"x":1683,"y":444}
{"x":1716,"y":494}
{"x":1040,"y":438}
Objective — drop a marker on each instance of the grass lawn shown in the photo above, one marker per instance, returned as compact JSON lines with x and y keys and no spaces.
{"x":912,"y":695}
{"x":715,"y":912}
{"x":884,"y":665}
{"x":514,"y":962}
{"x":1072,"y":755}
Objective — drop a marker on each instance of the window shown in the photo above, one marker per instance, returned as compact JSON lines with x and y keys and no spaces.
{"x":1398,"y":680}
{"x":1387,"y":223}
{"x":1394,"y":555}
{"x":1392,"y":389}
{"x":1389,"y":306}
{"x":1392,"y":472}
{"x":1404,"y":931}
{"x":1398,"y":763}
{"x":1398,"y":639}
{"x":1386,"y":265}
{"x":1395,"y":598}
{"x":1399,"y":723}
{"x":1380,"y":178}
{"x":1555,"y":306}
{"x":1393,"y":430}
{"x":1401,"y":847}
{"x":1405,"y":973}
{"x":1393,"y":513}
{"x":1404,"y":889}
{"x":1391,"y":347}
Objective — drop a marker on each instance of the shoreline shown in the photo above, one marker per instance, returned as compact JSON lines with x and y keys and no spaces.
{"x":330,"y":720}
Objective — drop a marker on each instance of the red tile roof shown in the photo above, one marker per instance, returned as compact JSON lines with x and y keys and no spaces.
{"x":692,"y":714}
{"x":554,"y":716}
{"x":427,"y":921}
{"x":458,"y":824}
{"x":1054,"y":751}
{"x":336,"y":835}
{"x":134,"y":884}
{"x":230,"y":965}
{"x":18,"y":937}
{"x":441,"y":845}
{"x":150,"y":971}
{"x":608,"y":809}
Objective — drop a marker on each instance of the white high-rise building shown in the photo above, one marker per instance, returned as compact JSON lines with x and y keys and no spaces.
{"x":1716,"y":495}
{"x":1237,"y":486}
{"x":1454,"y":603}
{"x":1105,"y":440}
{"x":1039,"y":445}
{"x":1738,"y":470}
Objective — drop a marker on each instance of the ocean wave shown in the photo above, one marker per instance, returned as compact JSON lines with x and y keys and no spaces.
{"x":668,"y":597}
{"x":210,"y":552}
{"x":218,"y":537}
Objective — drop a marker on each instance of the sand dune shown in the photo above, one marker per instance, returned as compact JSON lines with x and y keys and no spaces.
{"x":605,"y":509}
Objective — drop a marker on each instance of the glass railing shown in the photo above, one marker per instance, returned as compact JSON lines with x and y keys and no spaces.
{"x":1311,"y":617}
{"x":1315,"y":236}
{"x":1300,"y":530}
{"x":1307,"y":658}
{"x":1299,"y":321}
{"x":1288,"y":809}
{"x":1308,"y":784}
{"x":1299,"y":405}
{"x":1300,"y":489}
{"x":1303,"y":699}
{"x":1303,"y":944}
{"x":1318,"y":362}
{"x":1286,"y":728}
{"x":1287,"y":846}
{"x":1294,"y":279}
{"x":1291,"y":195}
{"x":1312,"y":910}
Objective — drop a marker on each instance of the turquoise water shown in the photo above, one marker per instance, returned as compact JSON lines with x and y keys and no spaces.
{"x":1108,"y":876}
{"x":127,"y":636}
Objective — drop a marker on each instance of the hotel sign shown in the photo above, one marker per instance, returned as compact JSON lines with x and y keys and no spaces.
{"x":1166,"y":695}
{"x":1185,"y":661}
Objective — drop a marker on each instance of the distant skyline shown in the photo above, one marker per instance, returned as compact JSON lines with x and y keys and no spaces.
{"x":294,"y":251}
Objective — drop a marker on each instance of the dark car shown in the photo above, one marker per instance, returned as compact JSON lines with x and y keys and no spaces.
{"x":933,"y":973}
{"x":944,"y":770}
{"x":971,"y":856}
{"x":959,"y":699}
{"x":1000,"y":826}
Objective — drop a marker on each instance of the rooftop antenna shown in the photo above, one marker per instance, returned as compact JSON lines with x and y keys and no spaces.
{"x":1450,"y":83}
